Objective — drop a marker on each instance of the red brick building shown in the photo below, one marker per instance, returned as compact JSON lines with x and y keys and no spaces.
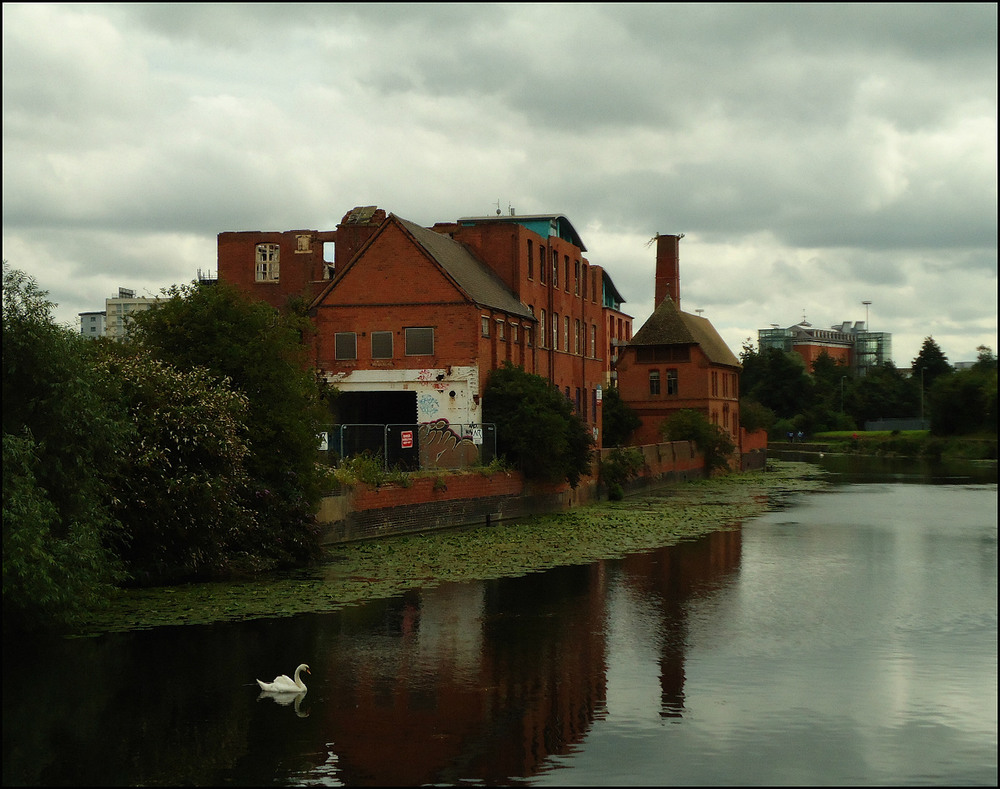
{"x":677,"y":360}
{"x":411,"y":320}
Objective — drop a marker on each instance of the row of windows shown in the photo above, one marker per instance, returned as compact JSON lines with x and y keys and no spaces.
{"x":418,"y":341}
{"x":655,"y":383}
{"x":580,"y":273}
{"x":730,"y":384}
{"x":578,"y":327}
{"x":502,"y":330}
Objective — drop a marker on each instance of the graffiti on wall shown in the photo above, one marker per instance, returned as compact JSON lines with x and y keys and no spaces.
{"x":442,"y":446}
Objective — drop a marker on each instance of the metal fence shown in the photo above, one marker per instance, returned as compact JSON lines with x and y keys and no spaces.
{"x":414,"y":447}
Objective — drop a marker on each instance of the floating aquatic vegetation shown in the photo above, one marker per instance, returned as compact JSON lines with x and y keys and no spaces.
{"x":358,"y":572}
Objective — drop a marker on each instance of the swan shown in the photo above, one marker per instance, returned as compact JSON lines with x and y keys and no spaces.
{"x":283,"y":684}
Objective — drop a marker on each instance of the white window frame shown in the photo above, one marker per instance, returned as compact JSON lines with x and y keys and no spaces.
{"x":267,"y":264}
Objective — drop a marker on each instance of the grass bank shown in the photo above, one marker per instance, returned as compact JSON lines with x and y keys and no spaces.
{"x":359,"y":572}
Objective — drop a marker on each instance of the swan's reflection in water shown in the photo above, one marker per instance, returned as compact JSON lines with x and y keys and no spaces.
{"x":284,"y":699}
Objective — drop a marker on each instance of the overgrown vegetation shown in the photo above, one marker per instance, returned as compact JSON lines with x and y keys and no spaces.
{"x":618,"y":420}
{"x":187,"y":452}
{"x":715,"y":444}
{"x":619,"y":467}
{"x":537,"y":429}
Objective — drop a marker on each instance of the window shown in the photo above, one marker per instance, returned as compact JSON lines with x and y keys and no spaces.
{"x":566,"y":280}
{"x":566,"y":346}
{"x":715,"y":383}
{"x":303,"y":243}
{"x":555,"y":269}
{"x":541,"y":264}
{"x":513,"y":332}
{"x":500,"y":330}
{"x":555,"y":330}
{"x":541,"y":329}
{"x":346,"y":345}
{"x":420,"y":342}
{"x":267,"y":260}
{"x":593,"y":341}
{"x":672,"y":383}
{"x":531,"y":260}
{"x":576,"y":329}
{"x":486,"y":326}
{"x":654,"y":382}
{"x":527,"y":336}
{"x":584,"y":281}
{"x":381,"y":344}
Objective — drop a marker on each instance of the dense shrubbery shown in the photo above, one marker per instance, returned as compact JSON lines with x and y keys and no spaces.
{"x":711,"y":440}
{"x":618,"y":420}
{"x":188,"y":451}
{"x":537,"y":428}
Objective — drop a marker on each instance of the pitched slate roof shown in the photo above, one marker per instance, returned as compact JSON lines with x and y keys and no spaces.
{"x":479,"y":281}
{"x":669,"y":326}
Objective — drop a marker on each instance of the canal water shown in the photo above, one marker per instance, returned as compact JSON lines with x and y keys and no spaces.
{"x":848,"y":638}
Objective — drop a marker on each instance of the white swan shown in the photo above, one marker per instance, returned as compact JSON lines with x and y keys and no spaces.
{"x":283,"y":684}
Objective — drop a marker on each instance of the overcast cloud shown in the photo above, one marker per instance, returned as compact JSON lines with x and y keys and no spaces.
{"x":815,"y":156}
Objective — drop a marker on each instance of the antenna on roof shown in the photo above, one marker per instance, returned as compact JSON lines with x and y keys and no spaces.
{"x":699,"y":312}
{"x":498,"y":207}
{"x":655,"y":236}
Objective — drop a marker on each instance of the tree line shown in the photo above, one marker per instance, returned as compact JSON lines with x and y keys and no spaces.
{"x":779,"y":394}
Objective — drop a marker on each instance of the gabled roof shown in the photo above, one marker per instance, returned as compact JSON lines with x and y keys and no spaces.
{"x":474,"y":278}
{"x":480,"y":283}
{"x":669,"y":326}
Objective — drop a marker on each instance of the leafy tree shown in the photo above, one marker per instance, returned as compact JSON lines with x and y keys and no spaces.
{"x":715,"y":444}
{"x":985,"y":360}
{"x":884,"y":392}
{"x":754,"y":416}
{"x":964,"y":402}
{"x":61,"y":443}
{"x":618,"y":419}
{"x":930,"y":364}
{"x":777,"y":380}
{"x":261,"y":352}
{"x":536,"y":426}
{"x":182,"y":493}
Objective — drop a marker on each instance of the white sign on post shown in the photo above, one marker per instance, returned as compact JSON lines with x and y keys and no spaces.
{"x":477,"y":435}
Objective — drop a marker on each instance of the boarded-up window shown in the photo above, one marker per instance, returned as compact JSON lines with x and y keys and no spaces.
{"x":420,"y":342}
{"x":346,"y":345}
{"x":381,"y":344}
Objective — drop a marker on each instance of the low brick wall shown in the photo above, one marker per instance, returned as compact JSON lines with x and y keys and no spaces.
{"x":470,"y":499}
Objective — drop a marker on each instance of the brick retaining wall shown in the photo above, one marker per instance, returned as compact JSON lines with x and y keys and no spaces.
{"x":466,"y":499}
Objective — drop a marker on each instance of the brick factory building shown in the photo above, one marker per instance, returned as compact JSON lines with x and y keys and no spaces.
{"x":411,"y":320}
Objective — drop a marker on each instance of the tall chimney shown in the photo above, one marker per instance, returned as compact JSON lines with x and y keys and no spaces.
{"x":668,"y":273}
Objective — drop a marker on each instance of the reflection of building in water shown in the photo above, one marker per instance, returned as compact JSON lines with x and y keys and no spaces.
{"x":673,"y":576}
{"x":490,"y":680}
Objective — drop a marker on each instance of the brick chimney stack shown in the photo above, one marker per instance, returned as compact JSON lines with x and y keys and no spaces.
{"x":668,"y":273}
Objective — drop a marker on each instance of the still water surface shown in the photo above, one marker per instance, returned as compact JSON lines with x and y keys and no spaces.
{"x":850,"y":638}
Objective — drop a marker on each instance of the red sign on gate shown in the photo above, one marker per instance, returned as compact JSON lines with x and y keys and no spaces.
{"x":406,"y":439}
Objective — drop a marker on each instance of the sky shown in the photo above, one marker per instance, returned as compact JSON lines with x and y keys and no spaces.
{"x":815,"y":157}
